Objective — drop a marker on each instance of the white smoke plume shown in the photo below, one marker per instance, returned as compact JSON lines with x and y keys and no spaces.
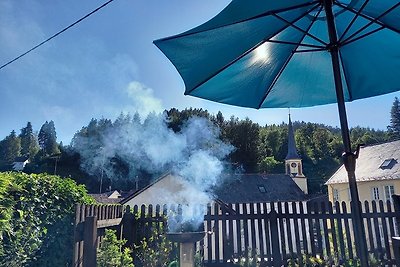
{"x":142,"y":98}
{"x":195,"y":155}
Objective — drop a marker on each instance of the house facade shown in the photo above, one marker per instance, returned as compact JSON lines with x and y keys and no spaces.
{"x":166,"y":189}
{"x":377,"y":174}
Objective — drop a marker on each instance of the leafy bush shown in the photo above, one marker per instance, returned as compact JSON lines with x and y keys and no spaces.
{"x":36,"y":223}
{"x":334,"y":260}
{"x":251,"y":259}
{"x":154,"y":250}
{"x":110,"y":254}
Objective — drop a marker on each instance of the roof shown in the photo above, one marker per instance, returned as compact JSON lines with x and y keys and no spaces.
{"x":107,"y":197}
{"x":135,"y":193}
{"x":21,"y":159}
{"x":369,"y":165}
{"x":250,"y":188}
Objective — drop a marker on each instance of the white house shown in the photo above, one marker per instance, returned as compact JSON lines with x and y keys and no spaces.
{"x":377,"y":174}
{"x":20,"y":163}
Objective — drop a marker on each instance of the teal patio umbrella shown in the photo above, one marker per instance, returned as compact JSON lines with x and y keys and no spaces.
{"x":294,"y":53}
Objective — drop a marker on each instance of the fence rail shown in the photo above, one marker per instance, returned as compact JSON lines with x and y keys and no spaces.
{"x":273,"y":233}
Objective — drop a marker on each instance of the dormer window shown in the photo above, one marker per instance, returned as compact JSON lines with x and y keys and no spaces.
{"x":388,"y":163}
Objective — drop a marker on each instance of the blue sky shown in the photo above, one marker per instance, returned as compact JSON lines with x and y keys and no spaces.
{"x":107,"y":64}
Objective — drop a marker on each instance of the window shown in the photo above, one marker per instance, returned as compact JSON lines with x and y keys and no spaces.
{"x":387,"y":163}
{"x":375,"y":193}
{"x":335,"y":195}
{"x":389,"y":191}
{"x":262,"y":189}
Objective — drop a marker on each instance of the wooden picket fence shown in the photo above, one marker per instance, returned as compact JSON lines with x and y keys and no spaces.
{"x":273,"y":234}
{"x":293,"y":232}
{"x":130,"y":224}
{"x":90,"y":223}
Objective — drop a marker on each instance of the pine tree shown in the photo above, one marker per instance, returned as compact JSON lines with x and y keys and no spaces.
{"x":136,"y":118}
{"x":48,"y":139}
{"x":29,"y":143}
{"x":122,"y":120}
{"x":394,"y":127}
{"x":10,"y":148}
{"x":219,"y":120}
{"x":43,"y":135}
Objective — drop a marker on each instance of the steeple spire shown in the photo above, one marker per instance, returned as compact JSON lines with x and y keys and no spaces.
{"x":292,"y":151}
{"x":294,"y":166}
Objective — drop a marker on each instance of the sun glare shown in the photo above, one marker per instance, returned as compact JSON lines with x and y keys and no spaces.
{"x":261,"y":54}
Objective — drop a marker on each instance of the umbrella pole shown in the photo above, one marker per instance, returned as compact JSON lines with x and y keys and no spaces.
{"x":349,"y":158}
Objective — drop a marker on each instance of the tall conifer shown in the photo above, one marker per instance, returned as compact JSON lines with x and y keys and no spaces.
{"x":48,"y":139}
{"x":10,"y":148}
{"x":394,"y":127}
{"x":29,"y":143}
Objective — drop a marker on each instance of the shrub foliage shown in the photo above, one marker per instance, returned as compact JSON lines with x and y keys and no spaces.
{"x":36,"y":218}
{"x":110,"y":253}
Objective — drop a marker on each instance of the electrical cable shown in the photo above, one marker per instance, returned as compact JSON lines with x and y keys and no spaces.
{"x":55,"y":35}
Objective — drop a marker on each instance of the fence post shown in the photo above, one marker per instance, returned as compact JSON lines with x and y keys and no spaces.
{"x":396,"y":240}
{"x":128,"y":220}
{"x":396,"y":204}
{"x":89,"y":241}
{"x":275,"y":244}
{"x":76,"y":235}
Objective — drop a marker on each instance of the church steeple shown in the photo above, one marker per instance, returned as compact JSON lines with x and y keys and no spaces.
{"x":292,"y":151}
{"x":294,"y":166}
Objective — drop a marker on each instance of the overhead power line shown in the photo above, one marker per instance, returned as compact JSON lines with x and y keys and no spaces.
{"x":55,"y":35}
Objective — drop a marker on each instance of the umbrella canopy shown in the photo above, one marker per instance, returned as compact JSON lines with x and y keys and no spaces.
{"x":287,"y":53}
{"x":271,"y":54}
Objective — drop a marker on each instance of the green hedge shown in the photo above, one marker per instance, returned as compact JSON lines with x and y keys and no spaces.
{"x":36,"y":219}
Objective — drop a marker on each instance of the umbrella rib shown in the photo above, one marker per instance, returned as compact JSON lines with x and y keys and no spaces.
{"x":310,"y":50}
{"x":247,"y":52}
{"x":362,"y":36}
{"x":286,"y":63}
{"x":345,"y":77}
{"x":353,"y":20}
{"x":299,"y":44}
{"x":299,"y":29}
{"x":372,"y":20}
{"x":268,"y":13}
